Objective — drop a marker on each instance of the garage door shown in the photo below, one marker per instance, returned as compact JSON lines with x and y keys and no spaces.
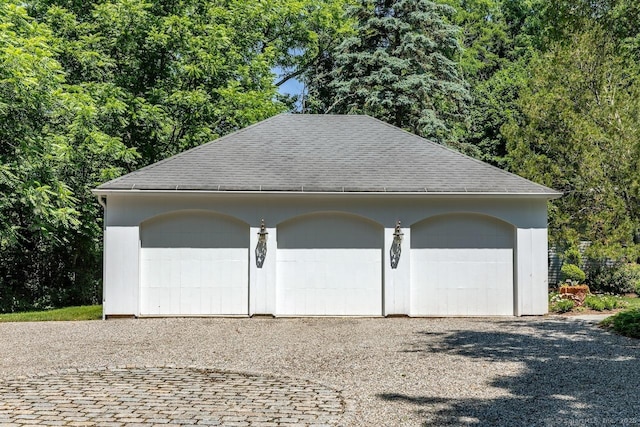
{"x":194,"y":263}
{"x":329,"y":264}
{"x":462,"y":265}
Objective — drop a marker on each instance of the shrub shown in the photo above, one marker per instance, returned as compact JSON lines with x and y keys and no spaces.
{"x":594,"y":303}
{"x":572,"y":256}
{"x":619,"y":278}
{"x":562,"y":306}
{"x":625,"y":323}
{"x":573,"y":273}
{"x":611,"y":303}
{"x":603,"y":302}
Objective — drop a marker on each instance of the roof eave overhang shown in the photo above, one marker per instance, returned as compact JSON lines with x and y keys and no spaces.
{"x":430,"y":194}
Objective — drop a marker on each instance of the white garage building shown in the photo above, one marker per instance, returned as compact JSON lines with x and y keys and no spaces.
{"x":360,"y":218}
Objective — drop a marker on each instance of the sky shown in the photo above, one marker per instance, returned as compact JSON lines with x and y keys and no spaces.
{"x":290,"y":87}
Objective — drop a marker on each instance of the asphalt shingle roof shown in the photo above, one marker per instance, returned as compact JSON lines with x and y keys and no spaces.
{"x":325,"y":153}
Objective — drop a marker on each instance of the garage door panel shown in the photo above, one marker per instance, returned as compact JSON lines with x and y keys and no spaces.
{"x":462,"y":265}
{"x":151,"y":300}
{"x":469,"y":281}
{"x":197,"y":259}
{"x":329,"y":282}
{"x":461,"y":231}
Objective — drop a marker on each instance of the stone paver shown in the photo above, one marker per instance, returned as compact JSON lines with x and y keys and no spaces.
{"x":162,"y":396}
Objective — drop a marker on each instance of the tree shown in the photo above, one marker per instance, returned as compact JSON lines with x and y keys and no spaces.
{"x":49,"y":132}
{"x":399,"y":66}
{"x":498,"y":39}
{"x":578,"y":134}
{"x":92,"y":89}
{"x":188,"y":72}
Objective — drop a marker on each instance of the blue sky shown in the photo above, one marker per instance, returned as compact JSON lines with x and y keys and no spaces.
{"x":290,"y":87}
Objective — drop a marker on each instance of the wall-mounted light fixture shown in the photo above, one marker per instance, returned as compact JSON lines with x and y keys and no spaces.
{"x":261,"y":247}
{"x":396,"y":246}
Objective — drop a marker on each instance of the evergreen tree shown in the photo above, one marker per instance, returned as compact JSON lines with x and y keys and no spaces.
{"x":399,"y":66}
{"x":579,"y":134}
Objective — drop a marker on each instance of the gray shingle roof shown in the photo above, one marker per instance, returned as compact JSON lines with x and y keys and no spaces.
{"x":325,"y":153}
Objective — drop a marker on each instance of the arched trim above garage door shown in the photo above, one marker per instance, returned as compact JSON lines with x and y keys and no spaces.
{"x":327,"y":230}
{"x":194,"y":262}
{"x":462,"y":230}
{"x":462,"y":264}
{"x":193,"y":228}
{"x":329,"y":263}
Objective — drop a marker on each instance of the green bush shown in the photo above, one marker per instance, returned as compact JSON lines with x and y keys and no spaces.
{"x":562,"y":306}
{"x":573,"y":273}
{"x":572,"y":256}
{"x":603,"y":302}
{"x":625,"y":323}
{"x":611,"y":303}
{"x":594,"y":303}
{"x":620,"y":278}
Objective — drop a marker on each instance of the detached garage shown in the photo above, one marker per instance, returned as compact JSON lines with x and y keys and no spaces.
{"x":324,"y":215}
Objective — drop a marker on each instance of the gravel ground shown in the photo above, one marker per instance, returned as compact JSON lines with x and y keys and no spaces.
{"x":391,"y":372}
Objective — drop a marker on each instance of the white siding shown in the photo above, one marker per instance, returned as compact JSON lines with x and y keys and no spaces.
{"x":129,"y":213}
{"x":121,"y":271}
{"x":532,"y":271}
{"x":397,"y":292}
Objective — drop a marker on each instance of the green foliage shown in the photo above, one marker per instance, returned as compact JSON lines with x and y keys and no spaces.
{"x":400,"y":66}
{"x":578,"y":134}
{"x":618,"y":278}
{"x":561,"y":306}
{"x":631,"y":302}
{"x":185,"y":72}
{"x":603,"y":302}
{"x":91,"y":90}
{"x":498,"y":38}
{"x":625,"y":323}
{"x":572,"y":255}
{"x":54,"y":147}
{"x":557,"y":304}
{"x":573,"y":273}
{"x":92,"y":312}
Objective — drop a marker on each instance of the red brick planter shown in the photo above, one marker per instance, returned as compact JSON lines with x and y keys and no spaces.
{"x":577,"y":293}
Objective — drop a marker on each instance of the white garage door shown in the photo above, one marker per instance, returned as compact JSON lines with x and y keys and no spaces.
{"x":194,"y":263}
{"x":329,"y":264}
{"x":462,"y":265}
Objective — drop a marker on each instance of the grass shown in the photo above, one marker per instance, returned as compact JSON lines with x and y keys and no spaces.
{"x":85,"y":312}
{"x":625,"y":323}
{"x":633,"y":302}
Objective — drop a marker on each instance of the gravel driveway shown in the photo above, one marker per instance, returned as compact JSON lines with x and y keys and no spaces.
{"x":391,"y":372}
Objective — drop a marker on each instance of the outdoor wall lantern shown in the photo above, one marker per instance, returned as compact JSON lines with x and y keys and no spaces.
{"x":261,"y":247}
{"x":396,"y":246}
